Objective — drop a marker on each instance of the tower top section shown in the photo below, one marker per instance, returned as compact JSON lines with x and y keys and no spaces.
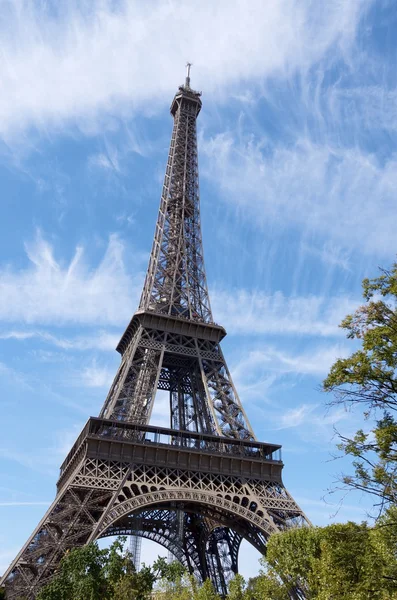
{"x":175,"y":282}
{"x":185,"y":93}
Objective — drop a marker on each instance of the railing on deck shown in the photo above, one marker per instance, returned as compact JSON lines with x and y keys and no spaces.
{"x":147,"y":434}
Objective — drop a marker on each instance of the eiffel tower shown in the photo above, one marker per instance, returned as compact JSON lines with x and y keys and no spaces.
{"x":205,"y":483}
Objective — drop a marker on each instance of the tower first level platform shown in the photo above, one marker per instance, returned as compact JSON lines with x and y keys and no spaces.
{"x":117,"y":473}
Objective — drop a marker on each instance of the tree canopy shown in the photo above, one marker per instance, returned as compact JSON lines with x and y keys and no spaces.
{"x":91,"y":573}
{"x":347,"y":561}
{"x":368,"y":378}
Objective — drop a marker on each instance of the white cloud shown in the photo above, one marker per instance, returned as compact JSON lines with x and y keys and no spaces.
{"x":64,"y":440}
{"x":366,"y":108}
{"x":48,"y":292}
{"x":334,"y":191}
{"x":101,"y":340}
{"x":263,"y":374}
{"x":127,"y":219}
{"x":259,"y":370}
{"x":342,"y":194}
{"x":16,"y":377}
{"x":25,"y":503}
{"x":78,"y":60}
{"x":314,"y":361}
{"x":297,"y":416}
{"x":96,"y":376}
{"x":42,"y":459}
{"x":254,"y":312}
{"x":104,"y":161}
{"x":329,"y":253}
{"x":310,"y":420}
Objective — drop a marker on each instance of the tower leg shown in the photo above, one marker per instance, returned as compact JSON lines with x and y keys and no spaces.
{"x":136,"y":544}
{"x":133,"y":391}
{"x":222,"y":554}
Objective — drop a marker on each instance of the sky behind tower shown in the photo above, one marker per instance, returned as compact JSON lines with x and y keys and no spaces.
{"x":298,"y":173}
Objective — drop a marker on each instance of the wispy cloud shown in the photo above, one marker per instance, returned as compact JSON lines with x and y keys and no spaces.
{"x":49,"y":292}
{"x":64,"y":440}
{"x":297,"y":416}
{"x":83,"y":60}
{"x":41,"y":460}
{"x":16,"y":377}
{"x":329,"y":253}
{"x":316,"y":360}
{"x":44,"y":460}
{"x":92,"y":341}
{"x":127,"y":219}
{"x":104,"y":161}
{"x":260,"y":372}
{"x":45,"y":503}
{"x":368,"y":107}
{"x":344,"y":194}
{"x":96,"y":376}
{"x":254,"y":312}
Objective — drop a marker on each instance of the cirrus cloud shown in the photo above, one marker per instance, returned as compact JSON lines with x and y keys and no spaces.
{"x":50,"y":292}
{"x":76,"y":61}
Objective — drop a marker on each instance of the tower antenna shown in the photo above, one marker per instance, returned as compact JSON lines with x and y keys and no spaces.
{"x":187,"y":82}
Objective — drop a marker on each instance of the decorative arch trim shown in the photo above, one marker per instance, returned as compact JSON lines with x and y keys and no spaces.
{"x":181,"y":495}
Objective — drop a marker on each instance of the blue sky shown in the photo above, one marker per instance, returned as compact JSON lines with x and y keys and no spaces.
{"x":298,"y":169}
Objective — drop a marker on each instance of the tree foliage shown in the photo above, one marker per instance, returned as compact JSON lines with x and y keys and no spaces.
{"x":368,"y":378}
{"x":89,"y":573}
{"x":340,"y":562}
{"x":347,"y":561}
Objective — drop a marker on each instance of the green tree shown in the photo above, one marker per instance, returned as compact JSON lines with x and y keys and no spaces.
{"x":205,"y":591}
{"x":237,"y":588}
{"x":134,"y":586}
{"x":291,"y":557}
{"x":347,"y":561}
{"x":176,"y":584}
{"x":268,"y":587}
{"x":81,"y":576}
{"x":368,"y":378}
{"x":174,"y":581}
{"x":384,"y":539}
{"x":89,"y":573}
{"x":350,"y":564}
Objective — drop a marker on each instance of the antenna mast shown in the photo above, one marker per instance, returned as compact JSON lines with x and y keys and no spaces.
{"x":187,"y":82}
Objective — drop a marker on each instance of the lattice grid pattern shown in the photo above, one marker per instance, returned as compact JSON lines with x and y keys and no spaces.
{"x":100,"y":497}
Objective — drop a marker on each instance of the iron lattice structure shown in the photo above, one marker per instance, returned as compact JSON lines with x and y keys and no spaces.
{"x":205,"y":483}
